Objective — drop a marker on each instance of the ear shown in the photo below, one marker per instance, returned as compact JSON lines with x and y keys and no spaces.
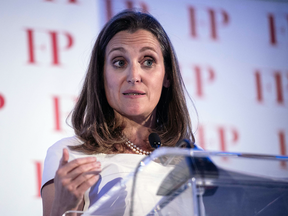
{"x":166,"y":81}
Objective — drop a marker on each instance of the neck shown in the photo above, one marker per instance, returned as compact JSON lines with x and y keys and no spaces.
{"x":137,"y":129}
{"x":137,"y":134}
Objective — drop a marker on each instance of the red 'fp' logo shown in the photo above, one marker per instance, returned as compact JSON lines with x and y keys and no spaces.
{"x":213,"y":19}
{"x":48,"y":40}
{"x":272,"y":85}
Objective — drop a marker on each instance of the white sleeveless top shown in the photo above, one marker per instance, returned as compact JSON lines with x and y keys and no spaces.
{"x":115,"y":169}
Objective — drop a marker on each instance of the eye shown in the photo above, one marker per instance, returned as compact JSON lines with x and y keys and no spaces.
{"x":148,"y":62}
{"x":119,"y":63}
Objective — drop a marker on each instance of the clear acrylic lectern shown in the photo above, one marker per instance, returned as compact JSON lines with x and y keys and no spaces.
{"x":177,"y":181}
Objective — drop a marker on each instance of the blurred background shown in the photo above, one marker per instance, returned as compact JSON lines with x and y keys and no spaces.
{"x":233,"y":57}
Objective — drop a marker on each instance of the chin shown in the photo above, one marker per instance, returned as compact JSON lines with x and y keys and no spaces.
{"x":134,"y":113}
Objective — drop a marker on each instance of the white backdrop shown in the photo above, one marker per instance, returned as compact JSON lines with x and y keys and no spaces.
{"x":233,"y":57}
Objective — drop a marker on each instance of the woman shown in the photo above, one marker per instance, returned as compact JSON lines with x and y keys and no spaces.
{"x":133,"y":87}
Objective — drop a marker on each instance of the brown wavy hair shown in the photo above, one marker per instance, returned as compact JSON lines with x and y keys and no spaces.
{"x":93,"y":119}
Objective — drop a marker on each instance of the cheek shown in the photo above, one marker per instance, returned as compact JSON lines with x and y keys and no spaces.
{"x":157,"y":88}
{"x":108,"y":77}
{"x":112,"y":87}
{"x":108,"y":84}
{"x":159,"y":91}
{"x":160,"y":82}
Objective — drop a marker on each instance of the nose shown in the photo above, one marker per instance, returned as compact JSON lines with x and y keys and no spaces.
{"x":134,"y":74}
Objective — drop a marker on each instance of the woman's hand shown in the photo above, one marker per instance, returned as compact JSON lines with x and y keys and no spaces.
{"x":72,"y":180}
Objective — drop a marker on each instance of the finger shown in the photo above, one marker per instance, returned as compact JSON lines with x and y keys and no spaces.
{"x":74,"y":164}
{"x":65,"y":157}
{"x":88,"y":183}
{"x":80,"y":191}
{"x":84,"y":169}
{"x":76,"y":167}
{"x":74,"y":184}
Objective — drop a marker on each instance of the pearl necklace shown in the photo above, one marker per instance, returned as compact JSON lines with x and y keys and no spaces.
{"x":135,"y":148}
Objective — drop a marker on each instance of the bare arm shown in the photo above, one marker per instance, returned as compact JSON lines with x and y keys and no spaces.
{"x":71,"y":181}
{"x":48,"y":193}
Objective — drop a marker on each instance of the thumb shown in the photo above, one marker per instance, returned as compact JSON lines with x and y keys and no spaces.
{"x":65,"y":157}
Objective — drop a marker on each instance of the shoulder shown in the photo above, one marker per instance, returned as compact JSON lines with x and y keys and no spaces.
{"x":54,"y":154}
{"x":65,"y":142}
{"x":55,"y":151}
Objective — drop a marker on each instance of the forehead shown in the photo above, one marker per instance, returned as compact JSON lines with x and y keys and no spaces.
{"x":139,"y":39}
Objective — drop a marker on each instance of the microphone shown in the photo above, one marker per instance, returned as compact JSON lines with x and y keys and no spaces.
{"x":154,"y":140}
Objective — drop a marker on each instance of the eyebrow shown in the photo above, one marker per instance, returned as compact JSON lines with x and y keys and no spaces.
{"x":117,"y":48}
{"x":124,"y":50}
{"x":147,"y":48}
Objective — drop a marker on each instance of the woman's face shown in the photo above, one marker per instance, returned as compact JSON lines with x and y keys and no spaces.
{"x":134,"y":73}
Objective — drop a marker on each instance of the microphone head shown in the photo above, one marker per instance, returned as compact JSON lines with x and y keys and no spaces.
{"x":154,"y":140}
